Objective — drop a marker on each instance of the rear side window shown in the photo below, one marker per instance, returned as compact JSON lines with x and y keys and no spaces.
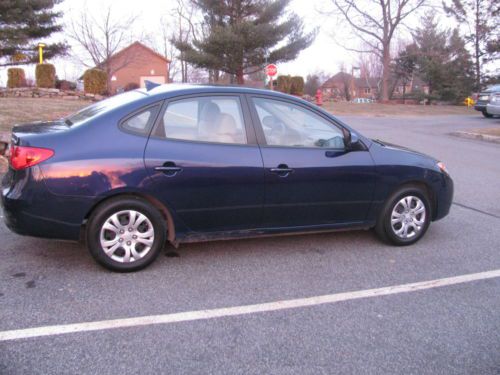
{"x":216,"y":119}
{"x":140,"y":122}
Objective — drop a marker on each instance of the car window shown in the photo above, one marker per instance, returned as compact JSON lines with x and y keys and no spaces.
{"x":103,"y":106}
{"x":140,"y":122}
{"x":204,"y":119}
{"x":286,"y":124}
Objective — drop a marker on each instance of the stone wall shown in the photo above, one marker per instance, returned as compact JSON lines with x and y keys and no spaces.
{"x":35,"y":92}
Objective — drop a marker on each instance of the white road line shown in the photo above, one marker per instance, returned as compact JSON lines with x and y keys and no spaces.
{"x":241,"y":310}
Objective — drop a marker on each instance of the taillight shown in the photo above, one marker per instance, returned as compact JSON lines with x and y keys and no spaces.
{"x":22,"y":157}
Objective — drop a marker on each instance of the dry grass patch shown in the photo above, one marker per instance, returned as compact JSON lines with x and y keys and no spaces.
{"x":488,"y":131}
{"x":18,"y":110}
{"x":396,"y":110}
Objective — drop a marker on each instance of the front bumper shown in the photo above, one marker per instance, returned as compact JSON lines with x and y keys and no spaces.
{"x":481,"y":107}
{"x":444,"y":197}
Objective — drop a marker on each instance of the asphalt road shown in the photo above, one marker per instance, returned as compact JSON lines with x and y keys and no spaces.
{"x":447,"y":330}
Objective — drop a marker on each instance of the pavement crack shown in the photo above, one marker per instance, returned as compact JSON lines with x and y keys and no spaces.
{"x":476,"y":210}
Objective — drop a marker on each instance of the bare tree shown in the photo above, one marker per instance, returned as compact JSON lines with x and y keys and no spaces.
{"x":375,"y":23}
{"x":101,"y":38}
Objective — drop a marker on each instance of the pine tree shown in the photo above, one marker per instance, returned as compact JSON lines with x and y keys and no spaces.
{"x":23,"y":23}
{"x":482,"y":19}
{"x":241,"y":35}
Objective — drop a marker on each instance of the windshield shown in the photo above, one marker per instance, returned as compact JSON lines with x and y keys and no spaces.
{"x":102,"y":107}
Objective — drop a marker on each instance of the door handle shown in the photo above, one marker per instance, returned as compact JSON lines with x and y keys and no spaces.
{"x":169,"y":169}
{"x":282,"y":170}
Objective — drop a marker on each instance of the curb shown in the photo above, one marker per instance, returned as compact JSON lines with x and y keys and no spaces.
{"x":481,"y":137}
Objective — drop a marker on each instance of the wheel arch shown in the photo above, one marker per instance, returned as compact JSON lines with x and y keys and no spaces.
{"x":425,"y":186}
{"x":165,"y":211}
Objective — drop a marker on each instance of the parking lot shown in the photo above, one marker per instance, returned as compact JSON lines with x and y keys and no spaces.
{"x":431,"y":329}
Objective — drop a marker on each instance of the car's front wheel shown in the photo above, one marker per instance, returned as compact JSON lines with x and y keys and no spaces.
{"x":126,"y":234}
{"x":405,"y":217}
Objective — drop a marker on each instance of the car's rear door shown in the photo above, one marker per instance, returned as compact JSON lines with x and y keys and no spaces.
{"x":205,"y":164}
{"x":311,"y":178}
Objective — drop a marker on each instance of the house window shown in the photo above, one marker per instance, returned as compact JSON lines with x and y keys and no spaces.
{"x":368,"y":90}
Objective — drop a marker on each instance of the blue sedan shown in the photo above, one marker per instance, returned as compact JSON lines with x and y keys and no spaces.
{"x":195,"y":163}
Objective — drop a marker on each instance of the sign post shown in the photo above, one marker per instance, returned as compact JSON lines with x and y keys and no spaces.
{"x":271,"y":71}
{"x":40,"y":52}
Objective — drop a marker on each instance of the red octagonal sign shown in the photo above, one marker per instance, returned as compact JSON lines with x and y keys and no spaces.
{"x":271,"y":70}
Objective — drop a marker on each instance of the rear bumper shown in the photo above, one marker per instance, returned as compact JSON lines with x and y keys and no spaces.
{"x":481,"y":107}
{"x":493,"y":109}
{"x":31,"y":210}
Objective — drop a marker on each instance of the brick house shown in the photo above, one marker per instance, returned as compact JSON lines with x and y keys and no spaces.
{"x":343,"y":86}
{"x":136,"y":64}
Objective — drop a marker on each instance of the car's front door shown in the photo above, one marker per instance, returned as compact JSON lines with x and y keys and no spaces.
{"x":311,"y":178}
{"x":205,"y":164}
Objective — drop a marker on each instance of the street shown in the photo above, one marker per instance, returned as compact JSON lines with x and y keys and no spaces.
{"x":452,"y":329}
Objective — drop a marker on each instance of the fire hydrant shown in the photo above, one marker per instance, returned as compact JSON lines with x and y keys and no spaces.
{"x":319,"y":97}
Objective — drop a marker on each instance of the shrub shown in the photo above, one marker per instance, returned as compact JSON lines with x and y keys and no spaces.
{"x":16,"y":78}
{"x":62,"y":84}
{"x":95,"y":81}
{"x":131,"y":86}
{"x":297,"y":86}
{"x":45,"y":75}
{"x":284,"y":83}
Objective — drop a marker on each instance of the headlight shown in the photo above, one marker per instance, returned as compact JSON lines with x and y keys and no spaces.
{"x":495,"y":99}
{"x":484,"y":97}
{"x":442,"y":167}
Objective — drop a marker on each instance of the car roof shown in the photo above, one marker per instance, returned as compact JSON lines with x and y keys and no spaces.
{"x":174,"y":89}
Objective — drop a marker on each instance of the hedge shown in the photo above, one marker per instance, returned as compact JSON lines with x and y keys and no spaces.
{"x":45,"y":75}
{"x":297,"y":86}
{"x":95,"y":81}
{"x":284,"y":83}
{"x":16,"y":78}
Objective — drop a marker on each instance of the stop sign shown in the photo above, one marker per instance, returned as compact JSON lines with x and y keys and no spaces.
{"x":271,"y":70}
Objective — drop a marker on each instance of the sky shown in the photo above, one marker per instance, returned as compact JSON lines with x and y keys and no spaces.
{"x":323,"y":55}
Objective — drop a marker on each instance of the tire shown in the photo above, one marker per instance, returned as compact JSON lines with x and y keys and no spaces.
{"x":130,"y":247}
{"x":416,"y":218}
{"x":486,"y":114}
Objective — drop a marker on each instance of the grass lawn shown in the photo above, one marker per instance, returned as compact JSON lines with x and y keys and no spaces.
{"x":17,"y":110}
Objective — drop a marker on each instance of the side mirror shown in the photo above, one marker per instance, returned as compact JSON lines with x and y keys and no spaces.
{"x":352,"y":142}
{"x":3,"y":148}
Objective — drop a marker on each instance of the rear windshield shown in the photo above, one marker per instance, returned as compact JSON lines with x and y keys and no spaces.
{"x":102,"y":107}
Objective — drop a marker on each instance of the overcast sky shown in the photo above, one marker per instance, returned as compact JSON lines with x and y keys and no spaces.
{"x":323,"y":55}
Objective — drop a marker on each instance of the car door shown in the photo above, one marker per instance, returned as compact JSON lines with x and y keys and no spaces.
{"x":310,"y":176}
{"x":205,"y":164}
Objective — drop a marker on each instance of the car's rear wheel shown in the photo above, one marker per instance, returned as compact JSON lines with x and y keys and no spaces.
{"x":486,"y":114}
{"x":126,"y":234}
{"x":405,"y":216}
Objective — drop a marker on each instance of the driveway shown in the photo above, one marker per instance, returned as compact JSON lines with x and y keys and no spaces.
{"x":319,"y":304}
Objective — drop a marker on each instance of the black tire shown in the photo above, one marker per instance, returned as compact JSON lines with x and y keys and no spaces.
{"x":486,"y":114}
{"x":384,"y":228}
{"x":101,"y":215}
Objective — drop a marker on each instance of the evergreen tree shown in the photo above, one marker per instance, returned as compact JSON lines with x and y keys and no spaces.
{"x":23,"y":23}
{"x":442,"y":61}
{"x":241,"y":35}
{"x":482,"y":21}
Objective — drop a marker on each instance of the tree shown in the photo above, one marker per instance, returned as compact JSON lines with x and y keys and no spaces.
{"x":375,"y":24}
{"x":23,"y":23}
{"x":101,"y":38}
{"x":404,"y":67}
{"x":481,"y":21}
{"x":442,"y":60}
{"x":239,"y":36}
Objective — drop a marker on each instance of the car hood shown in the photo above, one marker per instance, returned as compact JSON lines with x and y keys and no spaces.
{"x":403,"y":149}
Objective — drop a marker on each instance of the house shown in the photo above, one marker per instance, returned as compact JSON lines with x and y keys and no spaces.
{"x":135,"y":64}
{"x":344,"y":86}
